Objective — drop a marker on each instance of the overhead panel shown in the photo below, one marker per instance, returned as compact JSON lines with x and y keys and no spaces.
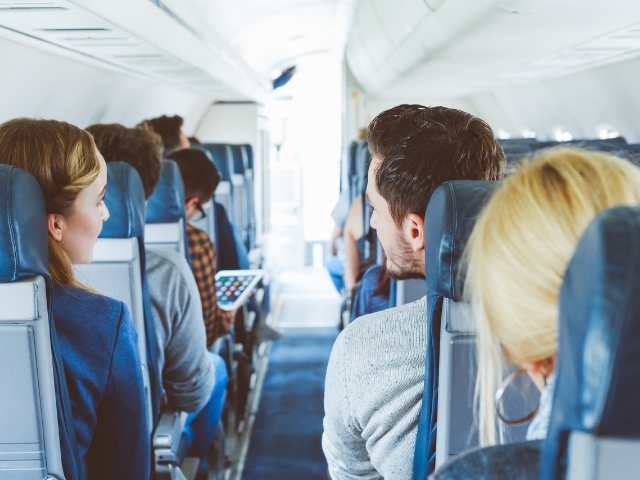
{"x":79,"y":31}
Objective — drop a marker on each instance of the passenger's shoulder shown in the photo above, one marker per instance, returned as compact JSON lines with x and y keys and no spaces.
{"x":167,"y":263}
{"x":80,"y":307}
{"x":388,"y":319}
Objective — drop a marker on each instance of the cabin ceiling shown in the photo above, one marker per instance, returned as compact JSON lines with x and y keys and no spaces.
{"x":269,"y":35}
{"x":410,"y":49}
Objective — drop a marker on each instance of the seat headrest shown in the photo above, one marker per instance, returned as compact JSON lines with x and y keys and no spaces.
{"x":24,"y":249}
{"x":238,"y":159}
{"x":219,"y":153}
{"x":451,"y":214}
{"x":166,"y":203}
{"x":598,"y":361}
{"x":125,"y":201}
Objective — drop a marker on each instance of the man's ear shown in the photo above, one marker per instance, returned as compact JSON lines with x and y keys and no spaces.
{"x":413,"y":227}
{"x":55,"y":225}
{"x":190,"y":204}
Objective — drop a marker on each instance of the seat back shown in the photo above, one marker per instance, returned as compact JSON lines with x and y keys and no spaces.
{"x":247,"y":152}
{"x":594,"y":429}
{"x":165,"y":217}
{"x":117,"y":268}
{"x":240,"y":188}
{"x":34,"y":395}
{"x":447,"y":425}
{"x":220,"y":155}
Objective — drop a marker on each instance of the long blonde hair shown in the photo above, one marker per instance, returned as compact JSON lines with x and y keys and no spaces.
{"x":63,"y":160}
{"x":518,"y":253}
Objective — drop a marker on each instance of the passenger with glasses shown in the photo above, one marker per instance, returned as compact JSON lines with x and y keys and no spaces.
{"x":516,"y":259}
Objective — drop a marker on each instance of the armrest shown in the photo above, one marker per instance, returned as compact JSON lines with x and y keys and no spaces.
{"x":166,"y":443}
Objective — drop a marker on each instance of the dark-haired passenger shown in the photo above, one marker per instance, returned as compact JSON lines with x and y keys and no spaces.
{"x":170,"y":130}
{"x":201,"y":178}
{"x":188,"y":376}
{"x":375,"y":377}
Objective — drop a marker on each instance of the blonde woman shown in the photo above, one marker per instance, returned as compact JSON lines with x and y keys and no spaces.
{"x":95,"y":335}
{"x":517,"y":256}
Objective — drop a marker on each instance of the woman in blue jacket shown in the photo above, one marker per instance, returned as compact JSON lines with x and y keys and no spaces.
{"x":95,"y":333}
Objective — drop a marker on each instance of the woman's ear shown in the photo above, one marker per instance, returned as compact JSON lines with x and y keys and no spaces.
{"x":55,"y":224}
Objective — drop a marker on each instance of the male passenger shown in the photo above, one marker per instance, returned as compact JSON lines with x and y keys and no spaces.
{"x":201,"y":178}
{"x":170,"y":129}
{"x":194,"y":380}
{"x":375,"y":376}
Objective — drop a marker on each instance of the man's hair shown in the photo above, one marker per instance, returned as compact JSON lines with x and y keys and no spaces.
{"x":419,"y":147}
{"x":140,"y":147}
{"x":168,"y":128}
{"x":200,"y":175}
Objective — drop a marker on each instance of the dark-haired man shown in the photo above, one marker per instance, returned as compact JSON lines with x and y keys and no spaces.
{"x":375,"y":376}
{"x":194,"y":380}
{"x":201,"y":178}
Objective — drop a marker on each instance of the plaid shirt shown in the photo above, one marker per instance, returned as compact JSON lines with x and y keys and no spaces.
{"x":204,"y":261}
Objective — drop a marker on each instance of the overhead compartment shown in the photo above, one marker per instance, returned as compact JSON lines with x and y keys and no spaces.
{"x":388,"y":39}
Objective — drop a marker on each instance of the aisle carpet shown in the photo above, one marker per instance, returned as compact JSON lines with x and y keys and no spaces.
{"x":285,"y":443}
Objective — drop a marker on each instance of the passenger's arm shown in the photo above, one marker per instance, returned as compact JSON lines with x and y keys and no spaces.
{"x":352,"y":232}
{"x":122,"y":438}
{"x":343,"y":445}
{"x":188,"y":375}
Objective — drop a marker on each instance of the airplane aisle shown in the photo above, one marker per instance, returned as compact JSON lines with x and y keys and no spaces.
{"x":285,"y":440}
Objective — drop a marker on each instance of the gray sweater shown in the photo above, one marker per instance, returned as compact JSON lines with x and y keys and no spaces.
{"x":373,"y":393}
{"x":187,"y":371}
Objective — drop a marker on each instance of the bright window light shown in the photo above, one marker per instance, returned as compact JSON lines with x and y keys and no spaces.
{"x":503,"y":134}
{"x":606,"y":131}
{"x":561,"y":134}
{"x":528,"y":133}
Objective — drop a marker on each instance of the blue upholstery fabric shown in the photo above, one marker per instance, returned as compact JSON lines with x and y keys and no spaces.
{"x":450,"y":216}
{"x":23,"y":231}
{"x":449,"y":219}
{"x":238,"y":159}
{"x":368,"y":299}
{"x":225,"y":240}
{"x":166,"y":203}
{"x":24,"y":252}
{"x":249,"y":157}
{"x":126,"y":203}
{"x":512,"y":461}
{"x":598,"y":363}
{"x":219,"y":153}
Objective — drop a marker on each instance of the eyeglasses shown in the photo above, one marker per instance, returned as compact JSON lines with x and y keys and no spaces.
{"x":201,"y":213}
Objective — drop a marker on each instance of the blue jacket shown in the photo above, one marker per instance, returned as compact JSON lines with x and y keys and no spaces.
{"x":97,"y":342}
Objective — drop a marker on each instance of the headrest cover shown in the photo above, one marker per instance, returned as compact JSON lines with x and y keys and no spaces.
{"x":451,"y":214}
{"x":219,"y":153}
{"x":166,"y":203}
{"x":125,"y":201}
{"x":24,"y":249}
{"x":238,"y":159}
{"x":598,"y":362}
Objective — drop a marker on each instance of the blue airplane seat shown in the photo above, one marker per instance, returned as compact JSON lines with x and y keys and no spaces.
{"x":126,"y":203}
{"x":36,"y":434}
{"x":219,"y":153}
{"x":594,"y":430}
{"x":449,"y":219}
{"x":165,"y":216}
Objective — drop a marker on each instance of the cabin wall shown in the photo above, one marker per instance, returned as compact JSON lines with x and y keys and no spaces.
{"x":46,"y":83}
{"x":243,"y":122}
{"x":584,"y":104}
